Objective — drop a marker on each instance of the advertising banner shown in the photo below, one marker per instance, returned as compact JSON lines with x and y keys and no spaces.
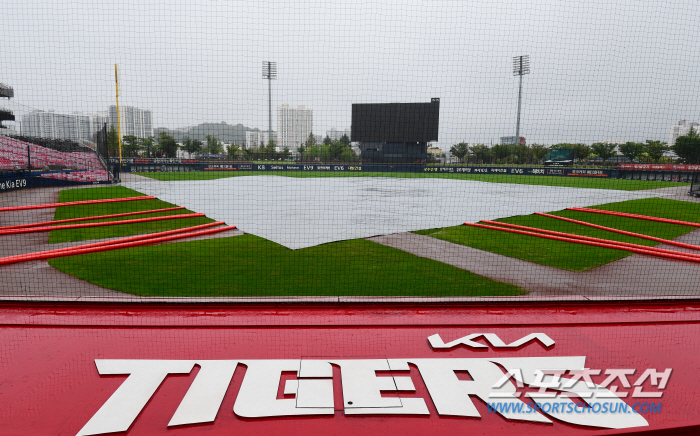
{"x":454,"y":169}
{"x":348,"y":369}
{"x":27,"y":180}
{"x":661,"y":167}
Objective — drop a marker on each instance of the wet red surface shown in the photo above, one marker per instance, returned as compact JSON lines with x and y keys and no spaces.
{"x":50,"y":385}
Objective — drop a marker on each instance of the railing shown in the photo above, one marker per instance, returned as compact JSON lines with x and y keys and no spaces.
{"x":105,"y":165}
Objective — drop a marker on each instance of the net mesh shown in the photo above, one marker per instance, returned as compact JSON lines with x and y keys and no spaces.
{"x":420,"y":151}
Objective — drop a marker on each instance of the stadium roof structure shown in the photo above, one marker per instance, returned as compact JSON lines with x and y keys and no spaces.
{"x":6,"y":115}
{"x":6,"y":91}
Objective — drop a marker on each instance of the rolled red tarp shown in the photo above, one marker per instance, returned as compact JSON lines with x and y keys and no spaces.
{"x":47,"y":223}
{"x":75,"y":203}
{"x":680,"y":256}
{"x":631,"y":215}
{"x":106,"y":223}
{"x":115,"y":246}
{"x":622,"y":232}
{"x":134,"y":238}
{"x":590,"y":238}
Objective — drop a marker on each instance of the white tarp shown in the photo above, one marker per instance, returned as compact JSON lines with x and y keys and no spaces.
{"x":303,"y":212}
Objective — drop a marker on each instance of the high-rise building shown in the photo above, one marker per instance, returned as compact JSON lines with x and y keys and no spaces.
{"x":293,"y":126}
{"x":335,"y":134}
{"x":133,"y":121}
{"x":253,"y":139}
{"x":75,"y":126}
{"x":680,"y":129}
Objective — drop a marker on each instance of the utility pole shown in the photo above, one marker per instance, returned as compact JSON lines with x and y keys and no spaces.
{"x":521,"y":66}
{"x":269,"y":73}
{"x":119,"y":128}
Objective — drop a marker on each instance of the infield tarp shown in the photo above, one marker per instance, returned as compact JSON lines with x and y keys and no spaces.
{"x":303,"y":212}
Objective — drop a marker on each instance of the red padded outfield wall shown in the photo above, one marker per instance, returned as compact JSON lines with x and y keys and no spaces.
{"x":349,"y":369}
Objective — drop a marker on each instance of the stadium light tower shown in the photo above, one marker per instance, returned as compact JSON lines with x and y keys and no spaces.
{"x":521,"y":66}
{"x":269,"y":73}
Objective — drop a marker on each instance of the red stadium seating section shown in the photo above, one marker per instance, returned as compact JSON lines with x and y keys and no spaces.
{"x":83,"y":166}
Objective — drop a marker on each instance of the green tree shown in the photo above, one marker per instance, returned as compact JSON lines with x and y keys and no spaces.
{"x":310,"y":141}
{"x":326,"y":153}
{"x":301,"y":150}
{"x":286,"y":153}
{"x":130,"y":145}
{"x":688,"y":147}
{"x":345,"y":140}
{"x":214,"y":146}
{"x":581,"y":151}
{"x":233,"y":150}
{"x":313,"y":152}
{"x":336,"y":149}
{"x":271,"y":146}
{"x":603,"y":150}
{"x":192,"y":146}
{"x":327,"y":140}
{"x":167,"y":144}
{"x":480,"y":151}
{"x":655,"y":149}
{"x":522,"y":152}
{"x":539,"y":151}
{"x":501,"y":151}
{"x":148,"y":145}
{"x":348,"y":155}
{"x":632,"y":150}
{"x":460,"y":150}
{"x":113,"y":141}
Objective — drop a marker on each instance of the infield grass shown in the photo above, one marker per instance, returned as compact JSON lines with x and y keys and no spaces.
{"x":570,"y":256}
{"x":574,"y":182}
{"x":117,"y":230}
{"x":250,"y":266}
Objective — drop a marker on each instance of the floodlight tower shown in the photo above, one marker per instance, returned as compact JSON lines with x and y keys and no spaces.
{"x":521,"y":66}
{"x":269,"y":70}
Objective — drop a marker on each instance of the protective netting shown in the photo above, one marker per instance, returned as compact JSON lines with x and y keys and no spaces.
{"x":388,"y":150}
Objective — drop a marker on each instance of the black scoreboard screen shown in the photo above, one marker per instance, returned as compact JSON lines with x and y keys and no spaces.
{"x":396,"y":122}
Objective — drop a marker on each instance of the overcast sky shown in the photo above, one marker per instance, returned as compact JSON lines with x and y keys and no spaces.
{"x":600,"y":70}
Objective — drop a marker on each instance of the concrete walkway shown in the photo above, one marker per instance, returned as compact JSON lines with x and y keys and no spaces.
{"x":131,"y":177}
{"x":675,"y":193}
{"x":636,"y":275}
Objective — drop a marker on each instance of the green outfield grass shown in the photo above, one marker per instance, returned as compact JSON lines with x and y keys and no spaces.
{"x":577,"y":257}
{"x":575,"y":182}
{"x":249,"y":266}
{"x":87,"y":210}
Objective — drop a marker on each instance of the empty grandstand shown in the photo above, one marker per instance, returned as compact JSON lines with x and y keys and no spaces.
{"x":63,"y":160}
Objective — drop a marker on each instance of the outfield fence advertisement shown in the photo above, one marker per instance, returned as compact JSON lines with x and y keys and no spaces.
{"x":168,"y":165}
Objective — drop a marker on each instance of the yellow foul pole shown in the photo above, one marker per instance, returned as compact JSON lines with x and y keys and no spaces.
{"x":119,"y":127}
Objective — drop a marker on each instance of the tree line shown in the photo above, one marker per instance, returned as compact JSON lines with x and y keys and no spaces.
{"x":330,"y":150}
{"x":164,"y":145}
{"x":686,"y":147}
